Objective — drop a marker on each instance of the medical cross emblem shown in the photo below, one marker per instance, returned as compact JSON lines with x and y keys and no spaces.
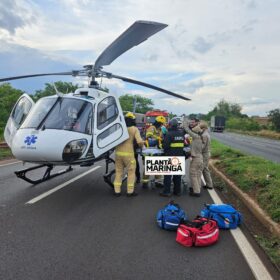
{"x":30,"y":140}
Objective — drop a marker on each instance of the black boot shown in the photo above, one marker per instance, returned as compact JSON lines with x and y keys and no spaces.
{"x":132,"y":194}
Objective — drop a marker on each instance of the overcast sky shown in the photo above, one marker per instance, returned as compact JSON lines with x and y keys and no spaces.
{"x":210,"y":50}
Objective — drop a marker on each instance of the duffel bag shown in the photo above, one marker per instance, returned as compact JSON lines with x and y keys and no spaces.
{"x":170,"y":216}
{"x":200,"y":232}
{"x":225,"y":215}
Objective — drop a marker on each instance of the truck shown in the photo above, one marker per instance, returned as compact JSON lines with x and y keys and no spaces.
{"x":217,"y":123}
{"x":151,"y":116}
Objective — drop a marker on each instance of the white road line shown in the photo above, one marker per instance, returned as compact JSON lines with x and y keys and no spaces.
{"x":43,"y":195}
{"x":259,"y":270}
{"x":9,"y":163}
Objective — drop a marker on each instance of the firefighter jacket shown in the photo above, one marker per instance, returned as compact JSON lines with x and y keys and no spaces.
{"x":197,"y":141}
{"x":206,"y":144}
{"x":155,"y":134}
{"x":126,"y":148}
{"x":173,"y":143}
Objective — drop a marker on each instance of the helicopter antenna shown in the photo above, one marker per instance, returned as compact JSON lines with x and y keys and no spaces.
{"x":58,"y":93}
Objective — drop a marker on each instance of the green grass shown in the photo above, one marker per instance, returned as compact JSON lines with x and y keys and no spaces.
{"x":265,"y":133}
{"x":271,"y":246}
{"x":5,"y":153}
{"x":256,"y":176}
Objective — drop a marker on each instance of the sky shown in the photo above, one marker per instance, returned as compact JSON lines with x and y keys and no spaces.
{"x":211,"y":50}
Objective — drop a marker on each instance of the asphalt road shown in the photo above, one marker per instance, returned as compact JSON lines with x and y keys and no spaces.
{"x":266,"y":148}
{"x":83,"y":232}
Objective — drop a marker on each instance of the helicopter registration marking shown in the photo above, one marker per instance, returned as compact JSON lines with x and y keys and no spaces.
{"x":43,"y":195}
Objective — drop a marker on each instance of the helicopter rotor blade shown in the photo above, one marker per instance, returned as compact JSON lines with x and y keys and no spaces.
{"x":138,"y":32}
{"x":147,"y":85}
{"x":35,"y":75}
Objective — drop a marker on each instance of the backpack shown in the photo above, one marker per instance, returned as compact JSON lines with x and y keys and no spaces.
{"x":225,"y":215}
{"x":200,"y":232}
{"x":170,"y":216}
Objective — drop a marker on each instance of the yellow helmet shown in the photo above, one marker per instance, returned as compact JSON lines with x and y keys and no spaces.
{"x":130,"y":115}
{"x":160,"y":119}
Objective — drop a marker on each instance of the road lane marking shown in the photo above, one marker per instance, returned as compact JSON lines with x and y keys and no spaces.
{"x":257,"y":267}
{"x":9,"y":163}
{"x":43,"y":195}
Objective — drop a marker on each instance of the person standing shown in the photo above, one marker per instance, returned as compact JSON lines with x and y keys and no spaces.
{"x":154,"y":138}
{"x":125,"y":157}
{"x":196,"y":164}
{"x":206,"y":155}
{"x":173,"y":145}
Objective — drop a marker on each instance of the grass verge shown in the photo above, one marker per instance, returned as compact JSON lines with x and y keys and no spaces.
{"x":262,"y":133}
{"x":256,"y":176}
{"x":5,"y":153}
{"x":270,"y":244}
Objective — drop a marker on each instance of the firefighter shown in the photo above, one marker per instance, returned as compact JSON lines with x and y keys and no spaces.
{"x":196,"y":164}
{"x":206,"y":155}
{"x":173,"y":145}
{"x":154,"y":138}
{"x":125,"y":157}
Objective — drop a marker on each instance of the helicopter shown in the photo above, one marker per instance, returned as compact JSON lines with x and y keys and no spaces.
{"x":78,"y":128}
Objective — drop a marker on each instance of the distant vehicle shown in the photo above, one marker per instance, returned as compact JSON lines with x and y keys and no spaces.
{"x":217,"y":123}
{"x":151,"y":116}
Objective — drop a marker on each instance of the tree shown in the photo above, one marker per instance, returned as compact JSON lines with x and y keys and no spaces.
{"x":226,"y":109}
{"x":143,"y":104}
{"x":8,"y":98}
{"x":274,"y":116}
{"x":49,"y":89}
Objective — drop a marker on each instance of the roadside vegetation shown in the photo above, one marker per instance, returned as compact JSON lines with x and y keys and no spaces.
{"x":270,"y":244}
{"x":268,"y":126}
{"x":257,"y":177}
{"x":262,"y":133}
{"x":5,"y":153}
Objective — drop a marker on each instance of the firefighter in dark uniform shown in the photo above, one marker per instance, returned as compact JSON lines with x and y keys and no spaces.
{"x":173,"y":145}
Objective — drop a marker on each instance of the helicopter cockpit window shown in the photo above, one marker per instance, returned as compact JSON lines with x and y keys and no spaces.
{"x":21,"y":110}
{"x":107,"y":112}
{"x":64,"y":114}
{"x":41,"y":108}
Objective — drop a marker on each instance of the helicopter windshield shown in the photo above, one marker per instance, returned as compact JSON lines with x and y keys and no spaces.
{"x":65,"y":114}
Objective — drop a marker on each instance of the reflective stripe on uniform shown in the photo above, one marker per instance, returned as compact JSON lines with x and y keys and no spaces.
{"x":130,"y":185}
{"x":177,"y":145}
{"x":117,"y":184}
{"x":125,"y":154}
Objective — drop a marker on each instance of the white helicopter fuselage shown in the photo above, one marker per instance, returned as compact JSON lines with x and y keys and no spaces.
{"x":72,"y":129}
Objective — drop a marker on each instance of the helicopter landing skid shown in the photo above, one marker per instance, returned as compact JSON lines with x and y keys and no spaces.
{"x":47,"y":175}
{"x":108,"y":175}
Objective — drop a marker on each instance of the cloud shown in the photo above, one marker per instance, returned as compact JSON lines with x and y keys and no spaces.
{"x":210,"y":49}
{"x":14,"y":15}
{"x":201,"y":45}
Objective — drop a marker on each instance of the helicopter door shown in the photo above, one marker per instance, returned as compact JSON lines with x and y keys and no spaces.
{"x":17,"y":116}
{"x":110,"y":128}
